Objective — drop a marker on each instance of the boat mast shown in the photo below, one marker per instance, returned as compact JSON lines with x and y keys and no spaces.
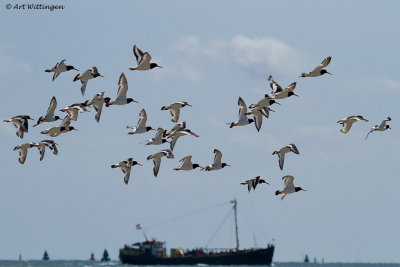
{"x":236,"y":225}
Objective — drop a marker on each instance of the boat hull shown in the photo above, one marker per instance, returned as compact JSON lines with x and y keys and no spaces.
{"x":245,"y":257}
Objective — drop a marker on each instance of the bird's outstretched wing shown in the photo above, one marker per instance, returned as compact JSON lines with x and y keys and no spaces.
{"x":122,"y":86}
{"x":138,"y":54}
{"x":217,"y":157}
{"x":52,"y":107}
{"x":323,"y":64}
{"x":281,"y":160}
{"x":288,"y":181}
{"x":142,"y":120}
{"x":242,"y":108}
{"x":294,"y":149}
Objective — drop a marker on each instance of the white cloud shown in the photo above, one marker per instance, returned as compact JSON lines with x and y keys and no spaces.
{"x":191,"y":46}
{"x":255,"y":54}
{"x":258,"y":55}
{"x":266,"y":54}
{"x":181,"y":70}
{"x":191,"y":74}
{"x":390,"y":84}
{"x":10,"y":63}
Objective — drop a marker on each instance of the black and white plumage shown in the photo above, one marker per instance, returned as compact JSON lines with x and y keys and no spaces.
{"x":74,"y":109}
{"x":49,"y":117}
{"x":97,"y":102}
{"x":277,"y":92}
{"x":59,"y":68}
{"x":121,"y":94}
{"x":177,"y":127}
{"x":243,"y":120}
{"x":21,"y":123}
{"x":158,"y":138}
{"x":175,"y":109}
{"x":286,"y":149}
{"x":176,"y":134}
{"x":348,"y":122}
{"x":157,"y":159}
{"x":42,"y":147}
{"x":187,"y":164}
{"x":258,"y":116}
{"x":382,"y":127}
{"x":252,"y":183}
{"x":287,"y":92}
{"x":126,"y":166}
{"x":264,"y":104}
{"x":143,"y":60}
{"x":275,"y":87}
{"x":86,"y":76}
{"x":319,"y":70}
{"x":217,"y":164}
{"x":57,"y":130}
{"x":66,"y":121}
{"x":23,"y":151}
{"x":289,"y":187}
{"x":141,"y":125}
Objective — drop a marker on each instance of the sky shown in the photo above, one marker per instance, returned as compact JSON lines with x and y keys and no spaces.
{"x":212,"y":52}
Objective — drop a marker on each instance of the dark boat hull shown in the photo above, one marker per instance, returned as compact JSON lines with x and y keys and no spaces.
{"x":246,"y":257}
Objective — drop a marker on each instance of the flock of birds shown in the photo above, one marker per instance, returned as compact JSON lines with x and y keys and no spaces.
{"x":257,"y":111}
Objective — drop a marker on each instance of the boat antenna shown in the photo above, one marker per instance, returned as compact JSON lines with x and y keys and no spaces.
{"x":218,"y":228}
{"x":255,"y":240}
{"x":187,"y":215}
{"x":139,"y":227}
{"x":236,"y":224}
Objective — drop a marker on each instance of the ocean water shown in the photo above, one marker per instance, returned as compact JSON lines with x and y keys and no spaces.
{"x":86,"y":263}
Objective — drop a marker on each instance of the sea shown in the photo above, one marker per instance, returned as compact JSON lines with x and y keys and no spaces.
{"x":86,"y":263}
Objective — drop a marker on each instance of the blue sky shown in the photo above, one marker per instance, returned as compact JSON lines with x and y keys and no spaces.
{"x":212,"y":53}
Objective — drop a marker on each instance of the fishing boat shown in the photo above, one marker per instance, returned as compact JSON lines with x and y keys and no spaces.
{"x":153,"y":252}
